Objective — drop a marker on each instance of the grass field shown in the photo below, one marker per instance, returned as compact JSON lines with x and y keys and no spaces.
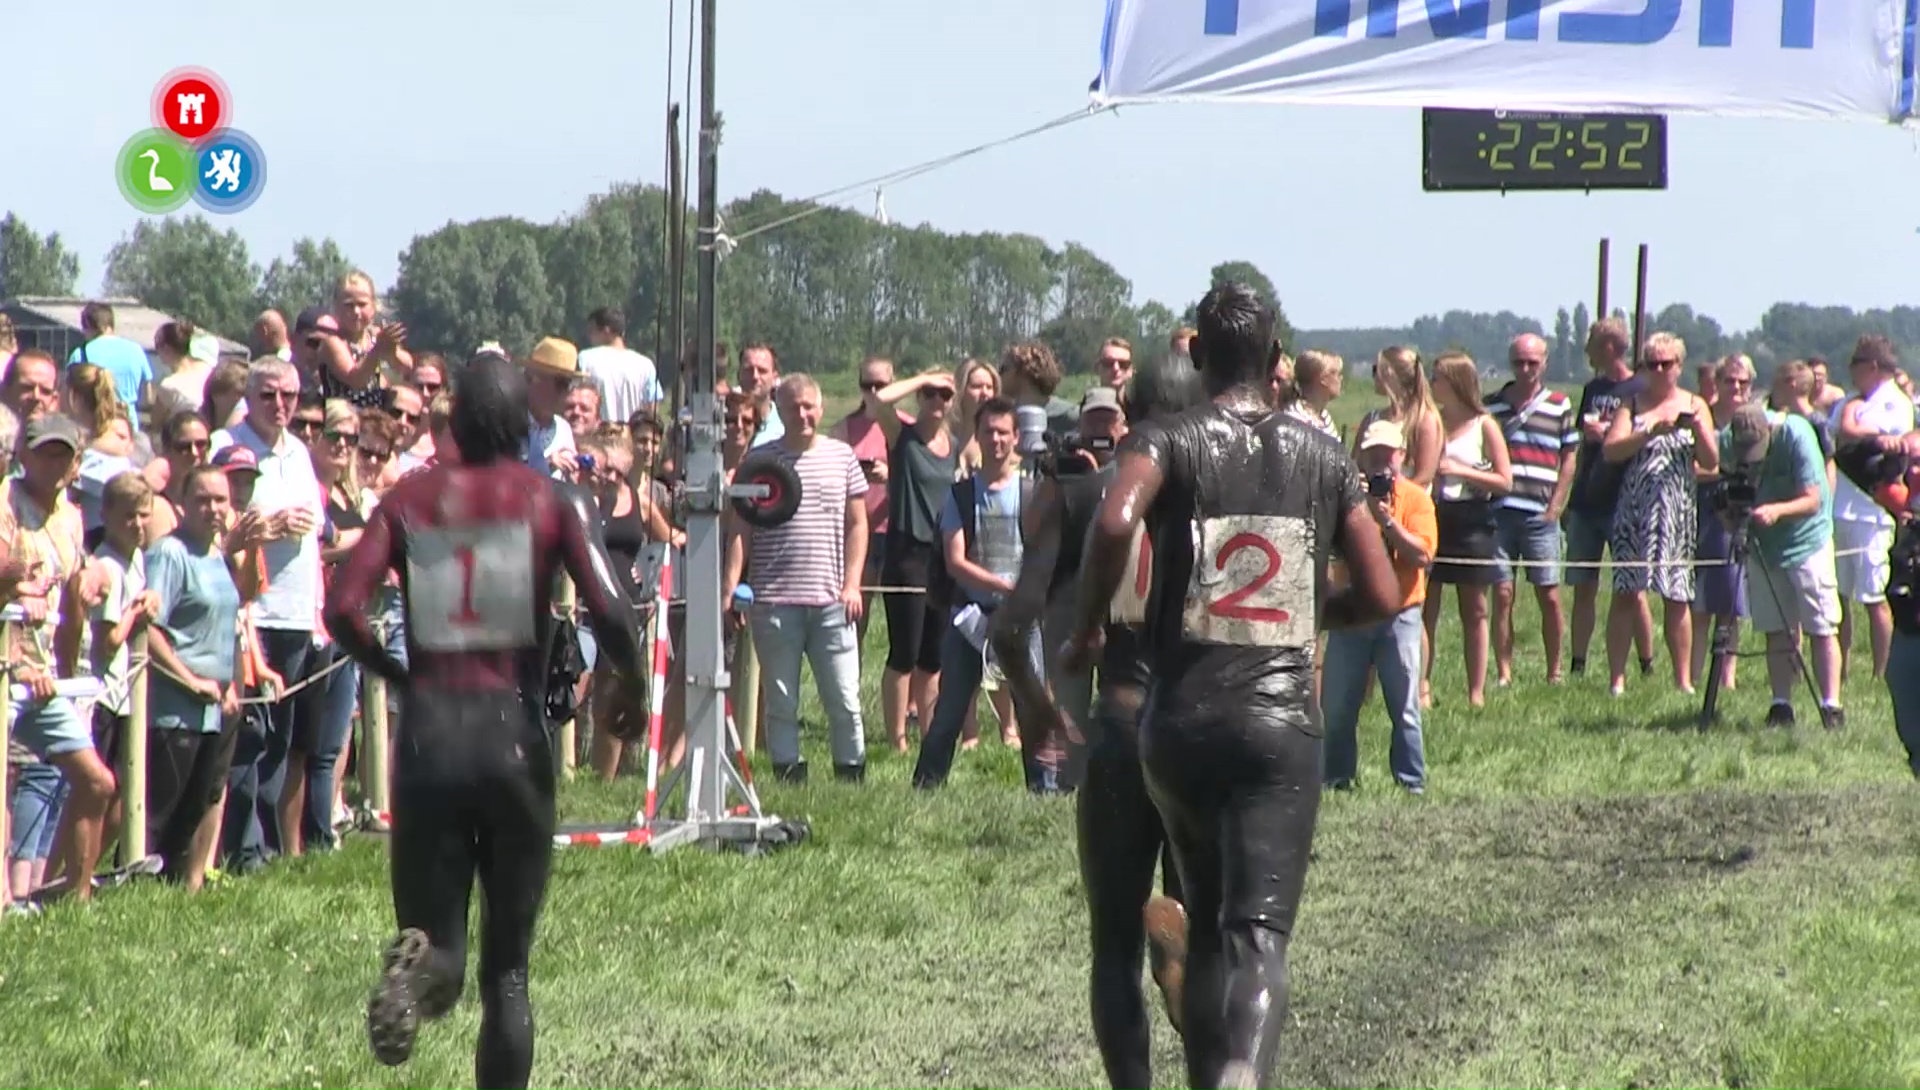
{"x":1591,"y":894}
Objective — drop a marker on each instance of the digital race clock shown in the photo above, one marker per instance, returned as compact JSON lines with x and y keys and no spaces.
{"x":1511,"y":149}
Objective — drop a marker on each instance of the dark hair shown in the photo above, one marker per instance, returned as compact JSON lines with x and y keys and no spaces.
{"x":1877,"y":350}
{"x":993,"y":406}
{"x":645,"y":419}
{"x":311,"y":399}
{"x":175,"y":337}
{"x":96,"y":317}
{"x":609,"y":320}
{"x":489,"y":419}
{"x":196,"y":473}
{"x":1160,"y":387}
{"x":1235,"y":345}
{"x":170,"y":431}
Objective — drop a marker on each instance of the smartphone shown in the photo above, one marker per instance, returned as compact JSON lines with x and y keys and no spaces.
{"x":1380,"y":485}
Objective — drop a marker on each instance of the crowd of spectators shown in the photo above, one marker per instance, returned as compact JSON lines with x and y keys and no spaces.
{"x":205,"y":505}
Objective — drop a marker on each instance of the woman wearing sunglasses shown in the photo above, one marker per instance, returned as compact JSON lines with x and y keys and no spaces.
{"x":922,"y":460}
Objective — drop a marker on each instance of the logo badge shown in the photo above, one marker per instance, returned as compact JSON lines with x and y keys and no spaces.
{"x":155,"y":172}
{"x":231,"y":170}
{"x":191,"y":103}
{"x":192,"y":152}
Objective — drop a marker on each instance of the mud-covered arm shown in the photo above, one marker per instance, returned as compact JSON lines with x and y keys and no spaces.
{"x":598,"y":589}
{"x":355,"y":582}
{"x":1373,"y":591}
{"x":1027,"y":603}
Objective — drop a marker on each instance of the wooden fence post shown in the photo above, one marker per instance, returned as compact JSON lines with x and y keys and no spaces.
{"x":132,"y":772}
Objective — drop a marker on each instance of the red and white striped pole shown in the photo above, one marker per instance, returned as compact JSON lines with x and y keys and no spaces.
{"x":657,"y":692}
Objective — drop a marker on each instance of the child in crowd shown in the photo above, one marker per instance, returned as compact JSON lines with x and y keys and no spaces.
{"x":126,"y":506}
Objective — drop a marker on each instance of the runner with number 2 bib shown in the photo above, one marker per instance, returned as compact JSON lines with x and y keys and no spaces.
{"x":1242,"y":507}
{"x":478,"y":546}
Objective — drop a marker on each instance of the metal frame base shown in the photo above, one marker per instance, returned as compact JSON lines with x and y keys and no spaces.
{"x":716,"y":833}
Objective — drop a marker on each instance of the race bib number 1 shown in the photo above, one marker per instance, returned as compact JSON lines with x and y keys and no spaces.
{"x":1253,"y":583}
{"x":1130,"y":601}
{"x":471,"y":588}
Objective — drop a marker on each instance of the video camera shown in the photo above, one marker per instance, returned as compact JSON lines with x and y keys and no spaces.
{"x":1051,"y":456}
{"x":1739,"y":491}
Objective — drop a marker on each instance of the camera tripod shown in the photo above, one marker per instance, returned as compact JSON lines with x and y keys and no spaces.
{"x":1726,"y":632}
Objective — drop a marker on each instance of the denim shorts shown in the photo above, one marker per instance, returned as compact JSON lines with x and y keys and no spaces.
{"x":1528,"y":536}
{"x":36,"y":809}
{"x":52,"y":728}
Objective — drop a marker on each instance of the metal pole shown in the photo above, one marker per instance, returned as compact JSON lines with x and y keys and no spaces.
{"x":674,"y":346}
{"x":374,"y":751}
{"x":1639,"y":306}
{"x":133,"y":756}
{"x":1600,"y":304}
{"x":6,"y":745}
{"x":707,"y":682}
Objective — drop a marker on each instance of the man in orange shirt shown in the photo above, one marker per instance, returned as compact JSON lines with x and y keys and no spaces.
{"x":1391,"y":647}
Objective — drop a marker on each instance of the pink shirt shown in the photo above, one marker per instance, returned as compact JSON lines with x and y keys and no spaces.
{"x":870,"y":445}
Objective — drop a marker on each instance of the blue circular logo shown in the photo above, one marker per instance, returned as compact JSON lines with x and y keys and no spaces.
{"x":231,"y":173}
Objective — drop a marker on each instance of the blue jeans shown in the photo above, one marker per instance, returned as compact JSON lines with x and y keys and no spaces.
{"x":331,"y":706}
{"x":1392,"y":649}
{"x":36,"y":806}
{"x":250,"y":834}
{"x":961,"y":667}
{"x":1903,"y":683}
{"x":785,"y":634}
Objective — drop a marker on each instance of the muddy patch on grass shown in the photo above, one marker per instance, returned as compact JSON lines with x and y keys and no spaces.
{"x":1411,"y":910}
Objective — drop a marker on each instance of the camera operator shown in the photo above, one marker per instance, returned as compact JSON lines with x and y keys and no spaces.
{"x":1776,"y":494}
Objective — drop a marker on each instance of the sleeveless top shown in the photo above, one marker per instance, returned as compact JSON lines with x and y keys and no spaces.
{"x":918,"y":481}
{"x":626,"y":536}
{"x":1470,"y":449}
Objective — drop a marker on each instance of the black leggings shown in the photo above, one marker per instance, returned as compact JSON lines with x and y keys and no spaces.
{"x":1120,"y":841}
{"x":473,"y":796}
{"x":1236,"y":779}
{"x":915,"y":623}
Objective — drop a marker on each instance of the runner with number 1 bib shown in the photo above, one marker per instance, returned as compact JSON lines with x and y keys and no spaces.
{"x":1242,"y":507}
{"x":478,"y":545}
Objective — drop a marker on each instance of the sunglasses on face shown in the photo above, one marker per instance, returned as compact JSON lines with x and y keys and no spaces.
{"x":1662,"y":364}
{"x":940,"y":392}
{"x":284,"y":397}
{"x":406,"y":418}
{"x":195,"y":447}
{"x":346,"y":437}
{"x":873,"y":387}
{"x":307,"y":424}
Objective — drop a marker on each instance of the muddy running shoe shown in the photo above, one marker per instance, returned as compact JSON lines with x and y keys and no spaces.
{"x":393,"y":1014}
{"x":1166,"y":922}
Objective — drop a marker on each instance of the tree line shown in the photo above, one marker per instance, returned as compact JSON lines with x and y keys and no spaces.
{"x":824,"y":285}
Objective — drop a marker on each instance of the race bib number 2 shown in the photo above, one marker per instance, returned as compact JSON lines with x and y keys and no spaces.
{"x":1253,"y":582}
{"x":471,"y":588}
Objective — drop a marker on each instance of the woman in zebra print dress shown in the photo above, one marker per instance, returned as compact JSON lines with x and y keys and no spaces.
{"x":1663,"y":435}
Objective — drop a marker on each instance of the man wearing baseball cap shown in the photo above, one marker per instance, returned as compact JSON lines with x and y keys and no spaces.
{"x":1405,"y":514}
{"x":42,"y":528}
{"x":1103,"y":423}
{"x":1791,"y":577}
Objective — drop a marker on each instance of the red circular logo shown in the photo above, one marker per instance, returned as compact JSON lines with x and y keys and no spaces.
{"x":191,"y":103}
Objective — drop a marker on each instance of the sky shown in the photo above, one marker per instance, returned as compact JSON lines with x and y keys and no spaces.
{"x":382,"y":122}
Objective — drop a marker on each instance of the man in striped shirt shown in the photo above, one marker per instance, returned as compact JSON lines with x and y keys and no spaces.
{"x":1542,"y":438}
{"x":806,"y":587}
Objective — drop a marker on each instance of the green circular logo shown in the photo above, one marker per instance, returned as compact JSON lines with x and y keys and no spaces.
{"x":155,"y":172}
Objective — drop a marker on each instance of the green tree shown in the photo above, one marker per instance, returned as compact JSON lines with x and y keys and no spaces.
{"x":467,"y":283}
{"x":34,"y":264}
{"x":187,"y":268}
{"x":305,"y":278}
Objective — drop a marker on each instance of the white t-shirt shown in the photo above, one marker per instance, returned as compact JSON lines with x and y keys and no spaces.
{"x":1889,"y":412}
{"x":126,"y":579}
{"x":627,"y":380}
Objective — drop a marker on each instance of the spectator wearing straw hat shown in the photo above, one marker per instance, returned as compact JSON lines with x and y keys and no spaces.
{"x":551,"y":368}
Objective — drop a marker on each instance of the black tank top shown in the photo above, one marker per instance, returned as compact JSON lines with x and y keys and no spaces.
{"x":1120,"y":659}
{"x":1240,"y":534}
{"x":626,"y":537}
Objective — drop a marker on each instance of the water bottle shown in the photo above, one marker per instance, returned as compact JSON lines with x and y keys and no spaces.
{"x":742,"y":598}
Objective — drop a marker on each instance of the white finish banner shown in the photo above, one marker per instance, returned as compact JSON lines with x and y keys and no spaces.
{"x":1753,"y":58}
